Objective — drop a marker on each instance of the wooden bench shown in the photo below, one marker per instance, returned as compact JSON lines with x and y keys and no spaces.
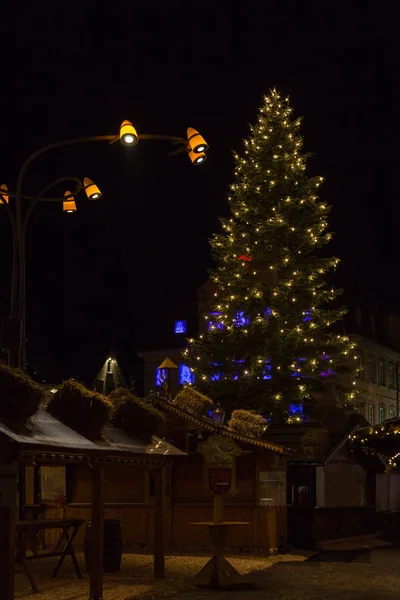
{"x":63,"y":547}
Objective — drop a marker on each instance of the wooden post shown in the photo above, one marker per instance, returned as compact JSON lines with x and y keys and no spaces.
{"x":8,"y":515}
{"x":21,"y":491}
{"x":218,"y":509}
{"x":96,"y":571}
{"x":159,"y":523}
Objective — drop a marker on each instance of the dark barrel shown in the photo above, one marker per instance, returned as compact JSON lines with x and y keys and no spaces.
{"x":112,"y":552}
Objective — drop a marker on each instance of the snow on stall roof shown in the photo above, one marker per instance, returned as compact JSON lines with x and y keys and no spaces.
{"x":121,"y":440}
{"x":43,"y":429}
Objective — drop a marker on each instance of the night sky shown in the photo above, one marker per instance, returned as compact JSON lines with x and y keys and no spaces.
{"x":116,"y":273}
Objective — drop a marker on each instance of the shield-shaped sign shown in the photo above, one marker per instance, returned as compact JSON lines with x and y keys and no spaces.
{"x":219,"y":480}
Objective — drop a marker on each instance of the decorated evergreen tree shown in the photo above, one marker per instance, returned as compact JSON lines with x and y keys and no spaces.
{"x":269,"y":342}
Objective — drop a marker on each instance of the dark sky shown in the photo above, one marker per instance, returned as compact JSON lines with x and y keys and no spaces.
{"x":117,"y":272}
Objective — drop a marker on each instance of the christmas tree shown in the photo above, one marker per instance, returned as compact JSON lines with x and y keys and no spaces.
{"x":269,"y":341}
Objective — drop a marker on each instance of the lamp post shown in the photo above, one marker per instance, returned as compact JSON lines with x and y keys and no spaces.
{"x":193,"y":144}
{"x":218,"y":417}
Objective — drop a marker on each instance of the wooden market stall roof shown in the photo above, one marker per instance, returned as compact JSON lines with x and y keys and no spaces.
{"x":207,"y":424}
{"x":44,"y":437}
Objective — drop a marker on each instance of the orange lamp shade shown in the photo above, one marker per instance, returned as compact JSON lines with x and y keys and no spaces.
{"x":4,"y":193}
{"x":91,"y":189}
{"x":128,"y":134}
{"x":197,"y":159}
{"x":196,"y":141}
{"x":69,"y":205}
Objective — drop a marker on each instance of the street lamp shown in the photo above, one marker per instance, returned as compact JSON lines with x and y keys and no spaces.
{"x":4,"y":194}
{"x":218,"y":417}
{"x":128,"y":136}
{"x":69,"y":204}
{"x":91,"y":189}
{"x":196,"y":142}
{"x":197,"y":159}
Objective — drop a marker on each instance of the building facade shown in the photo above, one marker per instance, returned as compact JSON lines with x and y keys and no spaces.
{"x":378,"y":380}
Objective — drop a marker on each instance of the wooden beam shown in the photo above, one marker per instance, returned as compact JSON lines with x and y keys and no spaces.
{"x":97,"y":526}
{"x":159,"y":523}
{"x":8,"y":515}
{"x":21,"y":491}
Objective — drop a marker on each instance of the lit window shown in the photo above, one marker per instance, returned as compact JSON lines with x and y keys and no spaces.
{"x":185,"y":375}
{"x":295,"y":409}
{"x":240,"y":319}
{"x":215,"y":377}
{"x":268,"y":369}
{"x":371,"y":414}
{"x":180,"y":327}
{"x":381,"y":414}
{"x":382,"y":372}
{"x":109,"y":365}
{"x":161,"y":375}
{"x":213,"y":324}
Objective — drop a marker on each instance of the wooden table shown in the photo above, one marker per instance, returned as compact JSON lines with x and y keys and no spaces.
{"x":218,"y":573}
{"x":62,"y":548}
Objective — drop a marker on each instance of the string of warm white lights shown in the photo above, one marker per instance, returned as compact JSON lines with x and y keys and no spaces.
{"x":268,"y":328}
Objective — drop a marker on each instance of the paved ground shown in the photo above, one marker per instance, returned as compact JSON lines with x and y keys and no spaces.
{"x":373,"y":575}
{"x":362,"y":575}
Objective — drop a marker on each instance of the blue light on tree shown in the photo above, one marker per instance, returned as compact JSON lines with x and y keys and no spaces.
{"x":307,"y":316}
{"x":161,"y":375}
{"x":215,"y":377}
{"x":180,"y":327}
{"x":185,"y":375}
{"x":267,"y":312}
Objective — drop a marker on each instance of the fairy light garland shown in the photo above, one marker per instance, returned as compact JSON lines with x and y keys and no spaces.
{"x":275,"y":226}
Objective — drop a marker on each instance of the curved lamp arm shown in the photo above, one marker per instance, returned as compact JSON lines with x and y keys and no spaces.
{"x":39,"y":197}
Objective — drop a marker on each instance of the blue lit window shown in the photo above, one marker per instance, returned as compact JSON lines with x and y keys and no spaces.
{"x":298,"y":373}
{"x":214,"y":323}
{"x":295,"y":409}
{"x":268,"y":369}
{"x":215,"y":377}
{"x":161,"y":375}
{"x":180,"y":327}
{"x":307,"y":316}
{"x":240,"y":319}
{"x":185,"y":375}
{"x":327,"y":373}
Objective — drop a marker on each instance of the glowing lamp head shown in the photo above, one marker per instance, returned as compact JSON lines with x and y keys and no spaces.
{"x":128,"y":134}
{"x":69,"y":205}
{"x":197,"y":159}
{"x":91,"y":189}
{"x":197,"y":143}
{"x":4,"y":194}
